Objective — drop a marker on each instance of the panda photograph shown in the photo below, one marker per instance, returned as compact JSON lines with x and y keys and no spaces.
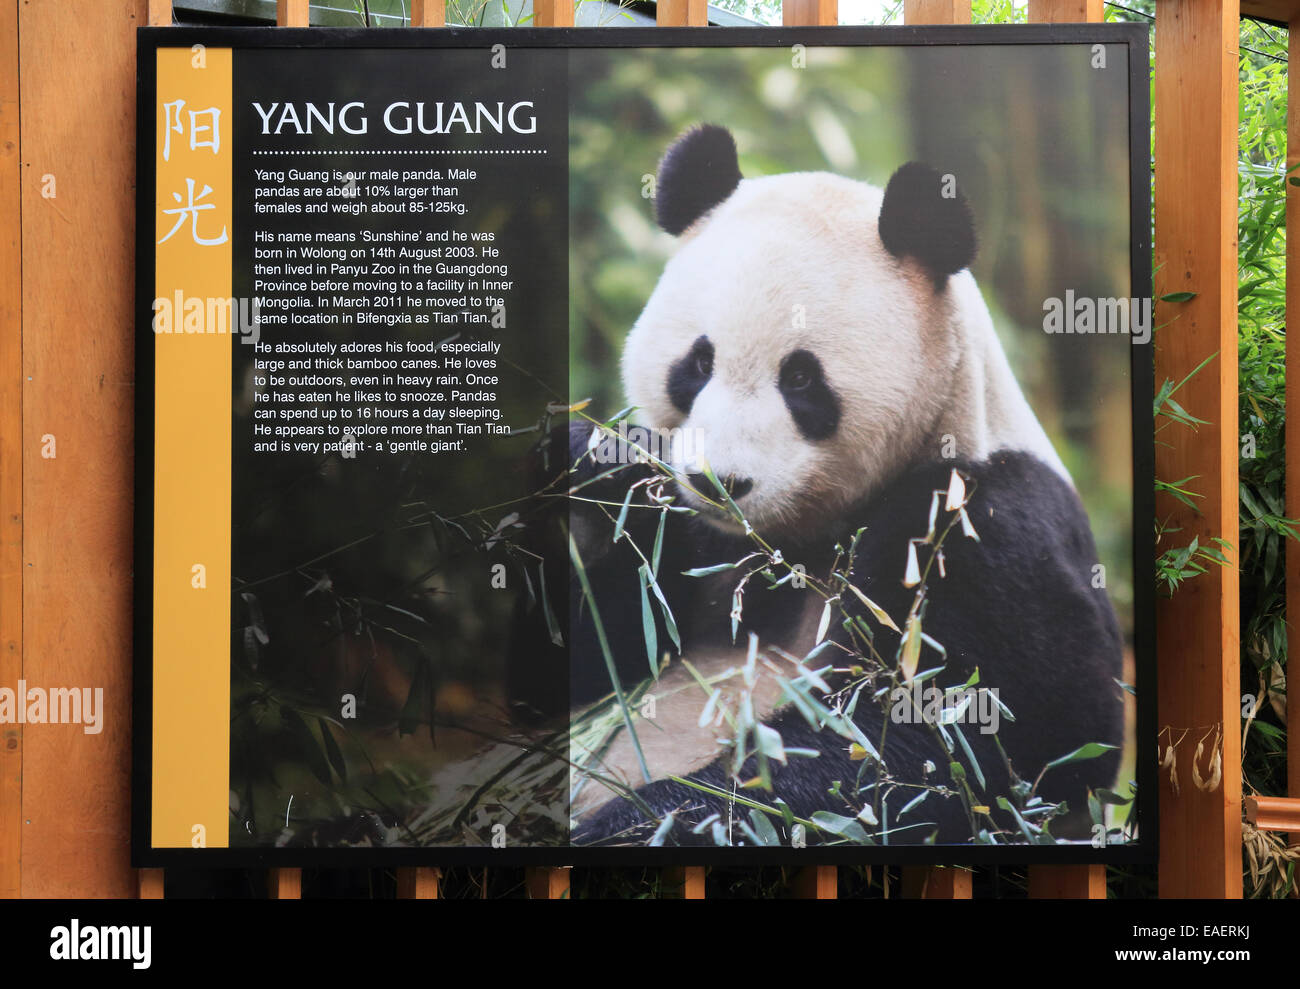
{"x":850,"y":482}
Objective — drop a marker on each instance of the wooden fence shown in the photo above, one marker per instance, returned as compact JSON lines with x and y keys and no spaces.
{"x":66,"y":369}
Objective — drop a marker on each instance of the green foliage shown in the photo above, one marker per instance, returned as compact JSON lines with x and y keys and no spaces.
{"x":1261,"y":353}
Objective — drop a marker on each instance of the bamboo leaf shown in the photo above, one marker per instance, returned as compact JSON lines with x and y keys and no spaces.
{"x":670,"y":623}
{"x":1090,"y":751}
{"x":910,"y":652}
{"x":876,"y":610}
{"x":825,"y":622}
{"x":659,"y":543}
{"x":648,"y":623}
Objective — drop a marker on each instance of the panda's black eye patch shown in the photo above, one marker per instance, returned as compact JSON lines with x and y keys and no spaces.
{"x":814,"y":407}
{"x":688,"y":376}
{"x":798,"y":379}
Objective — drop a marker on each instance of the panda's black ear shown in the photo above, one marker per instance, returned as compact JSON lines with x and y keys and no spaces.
{"x":925,"y":217}
{"x":697,"y":172}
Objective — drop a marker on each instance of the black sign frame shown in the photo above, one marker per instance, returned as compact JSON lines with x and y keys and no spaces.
{"x":1132,"y":37}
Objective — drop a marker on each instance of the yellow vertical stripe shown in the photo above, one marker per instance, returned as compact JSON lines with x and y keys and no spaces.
{"x":191,"y":625}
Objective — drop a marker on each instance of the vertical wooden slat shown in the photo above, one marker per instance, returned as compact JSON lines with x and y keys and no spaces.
{"x":795,"y":13}
{"x":428,"y":13}
{"x":920,"y":880}
{"x":11,"y":451}
{"x":284,"y":884}
{"x":1067,"y":881}
{"x":287,"y":884}
{"x":936,"y":11}
{"x":160,"y":13}
{"x":813,"y":882}
{"x":682,"y":13}
{"x":1293,"y":409}
{"x":149,"y":884}
{"x":292,"y":13}
{"x":935,"y":883}
{"x":151,"y":880}
{"x":816,"y":882}
{"x":78,"y":93}
{"x":547,"y":884}
{"x":417,"y":883}
{"x":1066,"y":11}
{"x":1196,"y":250}
{"x":553,"y":13}
{"x":677,"y":882}
{"x":682,"y":882}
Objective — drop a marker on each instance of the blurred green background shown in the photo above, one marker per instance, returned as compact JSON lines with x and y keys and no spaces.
{"x":1038,"y":140}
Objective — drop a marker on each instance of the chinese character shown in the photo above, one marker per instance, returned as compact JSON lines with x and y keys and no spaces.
{"x":192,"y":209}
{"x":173,"y":124}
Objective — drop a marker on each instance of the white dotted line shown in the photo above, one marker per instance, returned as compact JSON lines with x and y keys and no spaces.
{"x":450,"y":151}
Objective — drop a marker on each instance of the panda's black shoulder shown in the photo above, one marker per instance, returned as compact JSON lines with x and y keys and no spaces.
{"x":1015,"y":502}
{"x":1032,"y":545}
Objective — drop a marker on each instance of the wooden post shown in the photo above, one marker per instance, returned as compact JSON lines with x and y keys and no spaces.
{"x":292,"y":13}
{"x":936,"y":11}
{"x":677,"y":882}
{"x":11,"y":452}
{"x":150,"y":884}
{"x":1066,"y":12}
{"x":682,"y":13}
{"x":160,"y":13}
{"x":150,"y":881}
{"x":417,"y":883}
{"x":816,"y":882}
{"x":78,"y":329}
{"x":1196,"y":251}
{"x":547,"y":883}
{"x":1066,"y":881}
{"x":682,"y":882}
{"x":922,"y":882}
{"x":284,"y":884}
{"x":428,"y":13}
{"x":810,"y":12}
{"x":553,"y":13}
{"x":820,"y":881}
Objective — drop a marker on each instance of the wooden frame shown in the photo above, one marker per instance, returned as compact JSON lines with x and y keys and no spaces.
{"x":77,"y":859}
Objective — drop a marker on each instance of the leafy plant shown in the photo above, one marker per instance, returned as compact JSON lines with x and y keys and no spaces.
{"x":1261,"y":309}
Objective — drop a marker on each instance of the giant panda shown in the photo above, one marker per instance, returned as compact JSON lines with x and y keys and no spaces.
{"x":826,"y":347}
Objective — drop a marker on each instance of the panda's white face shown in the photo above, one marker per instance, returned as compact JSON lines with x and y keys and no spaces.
{"x":804,"y":361}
